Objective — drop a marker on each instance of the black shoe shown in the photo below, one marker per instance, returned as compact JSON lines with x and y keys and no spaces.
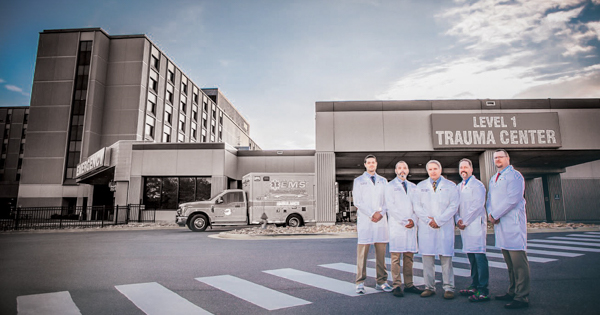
{"x":413,"y":289}
{"x":397,"y":292}
{"x":506,"y":297}
{"x":516,"y":304}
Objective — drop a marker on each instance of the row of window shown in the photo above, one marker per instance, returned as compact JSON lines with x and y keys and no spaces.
{"x":169,"y":192}
{"x":151,"y":107}
{"x":9,"y":113}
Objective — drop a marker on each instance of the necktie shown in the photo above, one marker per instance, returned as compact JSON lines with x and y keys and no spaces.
{"x":373,"y":179}
{"x":497,"y":177}
{"x":434,"y":185}
{"x":404,"y":185}
{"x":463,"y":186}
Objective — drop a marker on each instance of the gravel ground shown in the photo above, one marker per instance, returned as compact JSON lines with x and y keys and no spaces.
{"x":338,"y":228}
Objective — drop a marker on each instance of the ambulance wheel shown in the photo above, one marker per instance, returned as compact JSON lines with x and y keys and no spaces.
{"x":198,"y":223}
{"x":294,"y":220}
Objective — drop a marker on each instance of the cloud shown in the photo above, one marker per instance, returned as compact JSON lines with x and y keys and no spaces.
{"x":2,"y":81}
{"x":510,"y":49}
{"x":14,"y":88}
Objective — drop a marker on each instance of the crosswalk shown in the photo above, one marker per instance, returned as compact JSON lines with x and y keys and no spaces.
{"x":154,"y":298}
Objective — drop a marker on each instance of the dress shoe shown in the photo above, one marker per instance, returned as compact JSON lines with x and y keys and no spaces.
{"x":397,"y":292}
{"x":448,"y":295}
{"x":427,"y":293}
{"x":506,"y":297}
{"x":516,"y":304}
{"x":413,"y":289}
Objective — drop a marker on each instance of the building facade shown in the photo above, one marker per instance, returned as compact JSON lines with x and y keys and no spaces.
{"x":90,"y":90}
{"x":554,"y":143}
{"x":13,"y":124}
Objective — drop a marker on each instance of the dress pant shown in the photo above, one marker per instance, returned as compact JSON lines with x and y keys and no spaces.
{"x":518,"y":273}
{"x":480,"y":273}
{"x":429,"y":272}
{"x":362,"y":251}
{"x":407,"y":269}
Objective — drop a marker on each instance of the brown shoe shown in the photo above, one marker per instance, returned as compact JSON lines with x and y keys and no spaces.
{"x":448,"y":295}
{"x":427,"y":293}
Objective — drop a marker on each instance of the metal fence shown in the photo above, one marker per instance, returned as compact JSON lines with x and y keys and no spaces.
{"x":69,"y":217}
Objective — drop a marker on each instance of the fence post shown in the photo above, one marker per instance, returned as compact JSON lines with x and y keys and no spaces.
{"x":139,"y":207}
{"x":60,"y":218}
{"x":102,"y":216}
{"x":127,"y":216}
{"x":17,"y":215}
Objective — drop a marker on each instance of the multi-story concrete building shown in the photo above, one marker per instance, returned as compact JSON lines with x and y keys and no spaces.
{"x":13,"y":125}
{"x":90,"y":90}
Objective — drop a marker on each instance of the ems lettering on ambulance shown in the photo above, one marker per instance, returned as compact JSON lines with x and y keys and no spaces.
{"x":287,"y":189}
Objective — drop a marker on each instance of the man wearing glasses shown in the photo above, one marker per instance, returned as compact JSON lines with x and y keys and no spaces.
{"x":506,"y":208}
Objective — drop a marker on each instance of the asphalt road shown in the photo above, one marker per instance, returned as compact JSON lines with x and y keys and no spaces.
{"x":156,"y":271}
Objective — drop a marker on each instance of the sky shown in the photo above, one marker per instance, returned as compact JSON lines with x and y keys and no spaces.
{"x":274,"y":59}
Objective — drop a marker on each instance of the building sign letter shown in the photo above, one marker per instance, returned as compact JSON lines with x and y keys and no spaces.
{"x":522,"y":130}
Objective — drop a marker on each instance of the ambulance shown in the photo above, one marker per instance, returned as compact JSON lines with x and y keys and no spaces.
{"x":279,"y":198}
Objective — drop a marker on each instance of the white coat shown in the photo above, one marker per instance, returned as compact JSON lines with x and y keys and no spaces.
{"x":506,"y":202}
{"x":399,"y":209}
{"x":471,"y":211}
{"x":442,"y":205}
{"x":369,"y":198}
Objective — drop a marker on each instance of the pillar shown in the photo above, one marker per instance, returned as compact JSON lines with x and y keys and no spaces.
{"x":553,"y":198}
{"x":487,"y":168}
{"x":217,"y":185}
{"x":325,"y":187}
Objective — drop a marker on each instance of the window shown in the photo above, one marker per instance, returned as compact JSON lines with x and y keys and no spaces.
{"x":203,"y":135}
{"x":150,"y":126}
{"x":171,"y":76}
{"x":184,"y":87}
{"x":204,"y":120}
{"x":212,"y":138}
{"x":180,"y":138}
{"x":220,"y":117}
{"x":195,"y":112}
{"x":214,"y":111}
{"x":205,"y":106}
{"x":181,"y":122}
{"x":21,"y":148}
{"x":155,"y":58}
{"x":167,"y":134}
{"x":169,"y":93}
{"x":153,"y":81}
{"x":195,"y":98}
{"x":182,"y":105}
{"x":151,"y":106}
{"x":171,"y":72}
{"x":155,"y":62}
{"x":212,"y":127}
{"x":169,"y":114}
{"x":168,"y":192}
{"x":194,"y":130}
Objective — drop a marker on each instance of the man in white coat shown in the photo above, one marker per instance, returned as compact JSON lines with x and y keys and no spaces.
{"x":506,"y":208}
{"x":403,"y":230}
{"x":372,"y":226}
{"x":471,"y":219}
{"x":435,"y":203}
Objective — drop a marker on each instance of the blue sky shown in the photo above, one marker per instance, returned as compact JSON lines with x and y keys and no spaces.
{"x":274,"y":59}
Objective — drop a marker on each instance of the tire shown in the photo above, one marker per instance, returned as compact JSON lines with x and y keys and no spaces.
{"x":198,"y":223}
{"x":294,"y":220}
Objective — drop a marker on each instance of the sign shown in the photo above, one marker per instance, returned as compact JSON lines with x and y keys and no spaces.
{"x":493,"y":130}
{"x":93,"y":162}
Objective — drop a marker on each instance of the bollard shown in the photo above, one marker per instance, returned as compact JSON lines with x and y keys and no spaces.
{"x":264,"y":220}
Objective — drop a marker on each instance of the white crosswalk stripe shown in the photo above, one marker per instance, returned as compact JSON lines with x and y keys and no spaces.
{"x":318,"y":281}
{"x":57,"y":303}
{"x":595,"y":233}
{"x":566,"y":242}
{"x":574,"y":239}
{"x":571,"y":248}
{"x":419,"y":265}
{"x":585,"y":235}
{"x":541,"y":252}
{"x":371,"y":272}
{"x":254,"y":293}
{"x":530,"y":258}
{"x":152,"y":298}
